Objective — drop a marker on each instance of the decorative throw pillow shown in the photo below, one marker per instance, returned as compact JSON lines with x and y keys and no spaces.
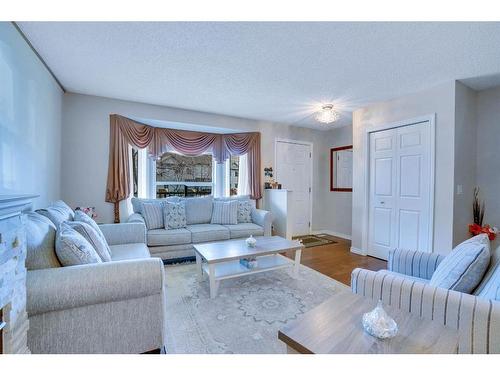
{"x":245,"y":211}
{"x":463,"y":269}
{"x":95,"y":239}
{"x":153,"y":214}
{"x":84,"y":218}
{"x":225,"y":212}
{"x":57,"y":212}
{"x":40,"y":242}
{"x":174,"y":215}
{"x":62,"y":205}
{"x":72,"y":249}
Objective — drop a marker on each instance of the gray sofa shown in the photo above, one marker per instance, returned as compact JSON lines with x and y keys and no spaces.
{"x":178,"y":243}
{"x":406,"y":285}
{"x":110,"y":307}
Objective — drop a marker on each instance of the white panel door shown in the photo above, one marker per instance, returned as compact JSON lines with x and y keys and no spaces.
{"x":400,"y":191}
{"x":293,"y":172}
{"x":382,"y":193}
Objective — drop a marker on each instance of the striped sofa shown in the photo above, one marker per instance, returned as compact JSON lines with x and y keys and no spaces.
{"x":405,"y":285}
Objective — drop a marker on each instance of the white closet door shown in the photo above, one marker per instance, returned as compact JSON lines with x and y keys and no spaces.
{"x":293,"y":171}
{"x":400,"y":191}
{"x":382,"y":193}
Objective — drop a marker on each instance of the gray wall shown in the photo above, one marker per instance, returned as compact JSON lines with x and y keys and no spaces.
{"x":336,"y":213}
{"x":30,"y":121}
{"x":465,"y":160}
{"x":439,"y":100}
{"x":488,"y":153}
{"x":86,"y":146}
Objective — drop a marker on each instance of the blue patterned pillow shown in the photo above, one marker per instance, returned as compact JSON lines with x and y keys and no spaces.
{"x":225,"y":212}
{"x":153,"y":214}
{"x":463,"y":269}
{"x":174,"y":215}
{"x":245,"y":211}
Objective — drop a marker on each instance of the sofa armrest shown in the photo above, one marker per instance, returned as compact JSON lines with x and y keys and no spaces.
{"x":476,"y":319}
{"x":124,"y":233}
{"x":413,"y":263}
{"x":264,"y":219}
{"x":55,"y":289}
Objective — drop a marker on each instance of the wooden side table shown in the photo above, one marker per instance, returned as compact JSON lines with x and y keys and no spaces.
{"x":335,"y":327}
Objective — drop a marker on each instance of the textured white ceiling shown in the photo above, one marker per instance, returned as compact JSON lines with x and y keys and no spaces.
{"x":265,"y":71}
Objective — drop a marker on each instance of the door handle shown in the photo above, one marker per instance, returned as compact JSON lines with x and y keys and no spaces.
{"x":382,"y":202}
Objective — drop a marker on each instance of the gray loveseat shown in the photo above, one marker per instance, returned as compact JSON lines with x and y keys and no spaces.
{"x":110,"y":307}
{"x":178,"y":243}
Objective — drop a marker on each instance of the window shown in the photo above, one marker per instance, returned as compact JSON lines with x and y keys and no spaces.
{"x":233,"y":174}
{"x":184,"y":176}
{"x":135,"y":172}
{"x":174,"y":174}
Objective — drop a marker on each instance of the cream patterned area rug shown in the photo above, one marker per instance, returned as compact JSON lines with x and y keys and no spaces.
{"x":246,"y":314}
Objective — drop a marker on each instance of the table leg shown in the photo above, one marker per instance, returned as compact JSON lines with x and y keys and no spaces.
{"x":296,"y":265}
{"x":199,"y":270}
{"x":213,"y":282}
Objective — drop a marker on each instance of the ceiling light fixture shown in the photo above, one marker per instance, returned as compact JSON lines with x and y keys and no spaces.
{"x":327,"y":114}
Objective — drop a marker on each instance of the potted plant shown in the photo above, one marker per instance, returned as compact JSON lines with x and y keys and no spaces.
{"x":478,"y":209}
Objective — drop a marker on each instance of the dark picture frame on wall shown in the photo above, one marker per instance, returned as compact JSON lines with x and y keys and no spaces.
{"x":333,"y":155}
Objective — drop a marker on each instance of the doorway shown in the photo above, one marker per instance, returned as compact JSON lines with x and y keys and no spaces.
{"x":401,"y":188}
{"x":294,"y":173}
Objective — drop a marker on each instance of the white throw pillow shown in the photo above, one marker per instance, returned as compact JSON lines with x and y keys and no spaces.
{"x":153,"y":214}
{"x":174,"y":215}
{"x":225,"y":213}
{"x":57,"y":212}
{"x":72,"y":249}
{"x":463,"y":269}
{"x":40,"y":242}
{"x":83,"y":217}
{"x":90,"y":234}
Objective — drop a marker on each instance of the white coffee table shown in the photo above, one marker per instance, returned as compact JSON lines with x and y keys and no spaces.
{"x":221,"y":260}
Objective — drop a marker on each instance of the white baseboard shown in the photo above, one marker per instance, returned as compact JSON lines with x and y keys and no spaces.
{"x":333,"y":233}
{"x":355,"y":250}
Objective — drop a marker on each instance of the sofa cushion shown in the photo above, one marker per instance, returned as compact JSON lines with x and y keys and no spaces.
{"x":463,"y":269}
{"x":244,"y":230}
{"x":90,"y":234}
{"x":199,"y":210}
{"x":73,"y":249}
{"x":225,"y":213}
{"x":57,"y":212}
{"x":174,"y":215}
{"x":40,"y":242}
{"x":165,"y":237}
{"x":153,"y":215}
{"x":208,"y":232}
{"x":129,"y":251}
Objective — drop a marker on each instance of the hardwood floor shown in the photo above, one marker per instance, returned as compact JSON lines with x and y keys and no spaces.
{"x":337,"y":261}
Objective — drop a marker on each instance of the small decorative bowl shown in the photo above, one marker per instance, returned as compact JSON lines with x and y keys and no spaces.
{"x":379,"y":324}
{"x":251,"y":242}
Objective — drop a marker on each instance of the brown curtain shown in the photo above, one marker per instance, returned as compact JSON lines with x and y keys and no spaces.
{"x":246,"y":143}
{"x":125,"y":132}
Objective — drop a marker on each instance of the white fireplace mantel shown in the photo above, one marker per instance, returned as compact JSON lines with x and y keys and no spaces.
{"x":13,"y":273}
